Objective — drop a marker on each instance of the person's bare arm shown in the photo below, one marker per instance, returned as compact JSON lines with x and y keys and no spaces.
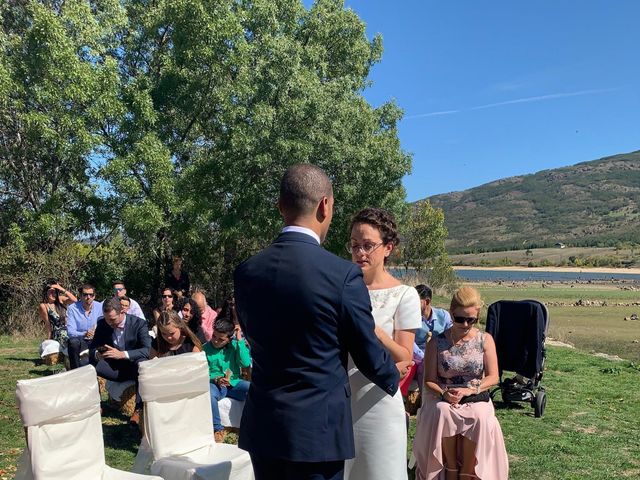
{"x":401,"y":346}
{"x":44,"y":316}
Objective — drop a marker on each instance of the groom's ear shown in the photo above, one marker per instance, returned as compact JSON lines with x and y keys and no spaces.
{"x":324,"y":209}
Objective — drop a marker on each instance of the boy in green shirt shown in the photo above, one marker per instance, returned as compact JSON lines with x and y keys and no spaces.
{"x":227,"y":354}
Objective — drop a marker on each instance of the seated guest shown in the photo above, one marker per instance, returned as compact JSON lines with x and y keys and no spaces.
{"x":174,"y":337}
{"x":227,"y":354}
{"x":120,"y":342}
{"x":53,"y":311}
{"x":457,"y":415}
{"x":190,"y":312}
{"x":125,"y":304}
{"x":208,"y":314}
{"x":167,"y":302}
{"x":434,"y":322}
{"x":82,"y":317}
{"x":119,"y":290}
{"x":178,"y":279}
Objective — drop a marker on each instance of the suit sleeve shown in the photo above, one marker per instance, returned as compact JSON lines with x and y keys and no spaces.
{"x":142,"y":341}
{"x":368,"y":353}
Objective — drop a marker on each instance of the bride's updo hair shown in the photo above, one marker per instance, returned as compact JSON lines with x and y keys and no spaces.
{"x":380,"y":219}
{"x":466,"y":297}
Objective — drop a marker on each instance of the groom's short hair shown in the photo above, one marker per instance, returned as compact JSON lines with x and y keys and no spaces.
{"x":302,"y":187}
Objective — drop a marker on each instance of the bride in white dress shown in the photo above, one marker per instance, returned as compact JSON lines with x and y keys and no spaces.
{"x":379,"y":421}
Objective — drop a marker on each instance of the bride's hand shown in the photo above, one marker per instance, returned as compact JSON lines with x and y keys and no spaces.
{"x":404,"y":367}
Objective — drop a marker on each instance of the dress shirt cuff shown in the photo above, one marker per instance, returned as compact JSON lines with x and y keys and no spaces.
{"x":126,"y":355}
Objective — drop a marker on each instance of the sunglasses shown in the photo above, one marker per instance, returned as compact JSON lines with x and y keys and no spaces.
{"x":167,"y":296}
{"x":88,"y":294}
{"x":118,"y":289}
{"x":469,"y":320}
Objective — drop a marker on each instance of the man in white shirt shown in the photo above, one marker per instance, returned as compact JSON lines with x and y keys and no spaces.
{"x":119,"y":291}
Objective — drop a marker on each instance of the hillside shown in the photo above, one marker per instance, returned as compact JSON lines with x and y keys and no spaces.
{"x":591,"y":203}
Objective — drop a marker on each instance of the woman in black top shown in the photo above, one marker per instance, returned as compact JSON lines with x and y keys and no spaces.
{"x":174,"y":337}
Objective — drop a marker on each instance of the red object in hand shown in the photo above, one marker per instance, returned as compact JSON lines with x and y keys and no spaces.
{"x":406,"y":381}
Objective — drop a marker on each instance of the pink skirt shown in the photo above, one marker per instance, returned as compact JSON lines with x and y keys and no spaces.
{"x":476,"y":421}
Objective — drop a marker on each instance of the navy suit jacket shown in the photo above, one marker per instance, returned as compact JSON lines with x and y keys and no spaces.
{"x":137,"y":341}
{"x":303,"y":310}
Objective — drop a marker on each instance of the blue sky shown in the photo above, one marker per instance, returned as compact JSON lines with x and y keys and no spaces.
{"x":501,"y":88}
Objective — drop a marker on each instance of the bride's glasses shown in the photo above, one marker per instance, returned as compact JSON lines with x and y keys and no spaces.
{"x":367,"y":248}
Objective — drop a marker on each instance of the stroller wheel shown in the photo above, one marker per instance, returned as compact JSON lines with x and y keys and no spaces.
{"x":540,"y":403}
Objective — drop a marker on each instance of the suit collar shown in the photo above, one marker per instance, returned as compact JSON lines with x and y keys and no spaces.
{"x":305,"y":230}
{"x":296,"y":237}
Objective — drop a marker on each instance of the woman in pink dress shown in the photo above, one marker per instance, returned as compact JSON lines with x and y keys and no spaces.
{"x":458,"y":436}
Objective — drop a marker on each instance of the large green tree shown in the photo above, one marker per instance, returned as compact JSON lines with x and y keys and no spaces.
{"x":57,"y":81}
{"x":164,"y":126}
{"x":221,"y":97}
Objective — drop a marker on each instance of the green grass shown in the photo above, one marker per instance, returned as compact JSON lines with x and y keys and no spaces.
{"x":589,"y":430}
{"x":590,"y":426}
{"x":555,"y":256}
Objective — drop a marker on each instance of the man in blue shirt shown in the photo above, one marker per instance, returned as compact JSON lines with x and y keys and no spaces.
{"x":82,"y":317}
{"x":434,"y":322}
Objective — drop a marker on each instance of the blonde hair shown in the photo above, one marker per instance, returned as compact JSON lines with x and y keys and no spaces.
{"x":466,"y":297}
{"x":170,"y":317}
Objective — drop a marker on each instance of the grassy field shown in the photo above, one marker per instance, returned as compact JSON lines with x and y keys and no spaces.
{"x":555,"y":256}
{"x":589,"y":430}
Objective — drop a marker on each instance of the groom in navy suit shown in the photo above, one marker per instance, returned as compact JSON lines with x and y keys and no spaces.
{"x":303,"y":311}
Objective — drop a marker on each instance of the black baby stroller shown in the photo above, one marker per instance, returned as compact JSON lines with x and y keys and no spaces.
{"x":519,"y":329}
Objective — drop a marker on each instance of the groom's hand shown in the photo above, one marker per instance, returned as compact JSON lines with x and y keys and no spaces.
{"x":404,"y":367}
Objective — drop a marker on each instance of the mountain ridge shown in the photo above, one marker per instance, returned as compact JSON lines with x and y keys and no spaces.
{"x":595,"y":202}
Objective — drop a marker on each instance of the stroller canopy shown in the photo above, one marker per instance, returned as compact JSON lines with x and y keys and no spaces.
{"x":519,"y":329}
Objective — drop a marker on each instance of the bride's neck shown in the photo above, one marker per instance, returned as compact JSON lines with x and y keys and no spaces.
{"x":373,"y":278}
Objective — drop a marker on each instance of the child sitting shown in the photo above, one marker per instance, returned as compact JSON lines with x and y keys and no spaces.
{"x":227,"y":354}
{"x":175,"y":337}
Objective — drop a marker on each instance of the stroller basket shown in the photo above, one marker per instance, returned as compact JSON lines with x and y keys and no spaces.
{"x":519,"y":329}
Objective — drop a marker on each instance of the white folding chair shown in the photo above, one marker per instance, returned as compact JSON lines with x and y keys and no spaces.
{"x":64,"y":430}
{"x":179,"y":424}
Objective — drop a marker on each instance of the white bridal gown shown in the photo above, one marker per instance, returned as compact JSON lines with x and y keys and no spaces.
{"x":379,"y":422}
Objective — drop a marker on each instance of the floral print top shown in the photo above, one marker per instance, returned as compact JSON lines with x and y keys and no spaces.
{"x":460,"y":365}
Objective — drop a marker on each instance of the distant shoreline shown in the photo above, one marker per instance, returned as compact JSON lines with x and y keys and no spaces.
{"x":631,"y":271}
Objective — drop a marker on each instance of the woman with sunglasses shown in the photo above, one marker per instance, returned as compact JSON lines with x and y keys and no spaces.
{"x":379,"y":427}
{"x":167,"y":303}
{"x":457,"y":415}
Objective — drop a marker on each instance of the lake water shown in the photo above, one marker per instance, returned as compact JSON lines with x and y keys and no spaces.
{"x":526,"y":275}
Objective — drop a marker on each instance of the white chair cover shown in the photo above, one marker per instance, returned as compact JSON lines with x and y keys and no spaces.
{"x":64,"y":429}
{"x":179,"y":425}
